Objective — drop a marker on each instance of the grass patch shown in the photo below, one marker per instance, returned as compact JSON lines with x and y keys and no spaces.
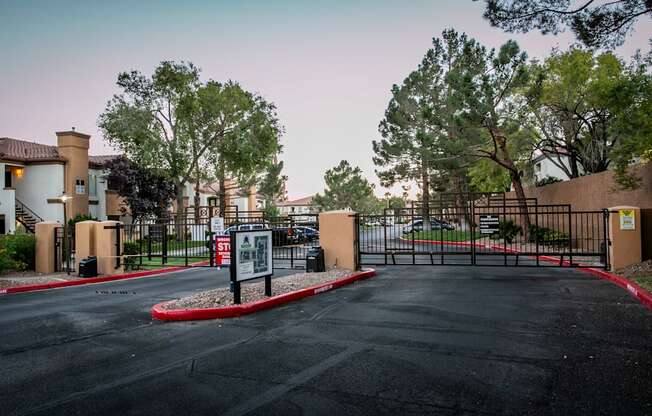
{"x":443,"y":235}
{"x":157,"y":262}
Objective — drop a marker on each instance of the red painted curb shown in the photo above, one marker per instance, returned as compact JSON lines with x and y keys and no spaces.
{"x":162,"y":314}
{"x":45,"y":286}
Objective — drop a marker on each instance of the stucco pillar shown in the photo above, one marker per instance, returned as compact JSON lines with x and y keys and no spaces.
{"x":73,"y":147}
{"x":625,"y":236}
{"x":45,"y":246}
{"x":337,"y":238}
{"x":84,"y":240}
{"x":105,"y":248}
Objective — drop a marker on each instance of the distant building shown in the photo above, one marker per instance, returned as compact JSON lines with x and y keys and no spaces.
{"x":297,"y":206}
{"x":546,"y":165}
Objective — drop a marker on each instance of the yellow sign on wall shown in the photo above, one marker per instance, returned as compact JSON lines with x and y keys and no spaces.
{"x":627,"y":219}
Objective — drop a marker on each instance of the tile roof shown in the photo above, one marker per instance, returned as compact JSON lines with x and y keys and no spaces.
{"x":100,"y":160}
{"x":24,"y":151}
{"x":297,"y":202}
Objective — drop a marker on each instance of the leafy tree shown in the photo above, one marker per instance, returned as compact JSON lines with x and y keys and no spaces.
{"x":172,"y":121}
{"x":632,"y":122}
{"x":425,"y":138}
{"x":596,"y":24}
{"x":486,"y":176}
{"x":346,"y":188}
{"x":271,"y":186}
{"x":146,"y":192}
{"x":498,"y":111}
{"x":587,"y":110}
{"x":571,"y":98}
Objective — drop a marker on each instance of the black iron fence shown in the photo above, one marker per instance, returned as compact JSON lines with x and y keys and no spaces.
{"x":481,"y":229}
{"x":64,"y":249}
{"x":166,"y":242}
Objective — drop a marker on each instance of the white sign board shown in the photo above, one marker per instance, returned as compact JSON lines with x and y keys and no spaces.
{"x":627,"y":219}
{"x":489,"y":224}
{"x":217,"y":225}
{"x":253,"y":254}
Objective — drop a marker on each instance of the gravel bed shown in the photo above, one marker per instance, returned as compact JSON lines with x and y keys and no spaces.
{"x":640,"y":273}
{"x":251,"y":292}
{"x":33,"y":279}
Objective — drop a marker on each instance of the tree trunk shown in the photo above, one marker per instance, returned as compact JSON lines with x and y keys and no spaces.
{"x":222,"y":190}
{"x":574,"y":168}
{"x":425,"y":199}
{"x":180,"y":216}
{"x":515,"y":176}
{"x":197,"y":201}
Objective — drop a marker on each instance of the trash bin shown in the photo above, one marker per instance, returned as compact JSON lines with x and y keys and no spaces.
{"x":315,"y":260}
{"x":88,"y":267}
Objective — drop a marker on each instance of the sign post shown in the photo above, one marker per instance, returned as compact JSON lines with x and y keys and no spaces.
{"x":251,"y":258}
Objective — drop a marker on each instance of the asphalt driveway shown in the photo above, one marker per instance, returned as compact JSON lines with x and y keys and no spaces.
{"x":413,"y":340}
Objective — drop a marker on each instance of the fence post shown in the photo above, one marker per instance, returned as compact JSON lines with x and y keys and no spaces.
{"x":625,"y":236}
{"x":45,"y":246}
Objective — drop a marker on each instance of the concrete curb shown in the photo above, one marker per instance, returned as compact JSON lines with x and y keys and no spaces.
{"x":162,"y":314}
{"x":55,"y":285}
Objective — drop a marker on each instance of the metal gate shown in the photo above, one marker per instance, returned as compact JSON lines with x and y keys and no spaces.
{"x":484,"y":230}
{"x":189,"y":243}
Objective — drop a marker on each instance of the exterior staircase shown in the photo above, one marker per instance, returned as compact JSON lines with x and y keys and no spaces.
{"x":27,"y":217}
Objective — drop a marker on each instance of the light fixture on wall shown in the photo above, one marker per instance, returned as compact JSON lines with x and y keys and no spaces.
{"x":19,"y":172}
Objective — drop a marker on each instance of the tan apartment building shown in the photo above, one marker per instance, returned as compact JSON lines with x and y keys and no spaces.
{"x":37,"y":176}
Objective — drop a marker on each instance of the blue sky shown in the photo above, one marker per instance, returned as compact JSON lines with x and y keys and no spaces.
{"x":328,"y":65}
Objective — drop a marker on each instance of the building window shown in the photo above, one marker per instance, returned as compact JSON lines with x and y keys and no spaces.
{"x":92,"y":185}
{"x":537,"y":167}
{"x":80,"y":187}
{"x":8,"y":178}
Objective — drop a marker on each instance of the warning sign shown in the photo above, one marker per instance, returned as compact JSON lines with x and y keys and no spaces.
{"x":489,"y":224}
{"x":222,"y":250}
{"x":627,"y":219}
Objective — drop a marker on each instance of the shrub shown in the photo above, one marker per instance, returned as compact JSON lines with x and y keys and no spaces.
{"x":507,"y":230}
{"x":547,"y":236}
{"x":19,"y":251}
{"x":80,"y":218}
{"x":130,"y":248}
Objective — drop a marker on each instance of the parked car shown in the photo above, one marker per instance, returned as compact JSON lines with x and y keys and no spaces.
{"x":285,"y":236}
{"x":309,"y":233}
{"x":244,"y":227}
{"x":435,"y":224}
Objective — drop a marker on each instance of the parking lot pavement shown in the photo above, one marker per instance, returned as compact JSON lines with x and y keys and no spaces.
{"x":413,"y":340}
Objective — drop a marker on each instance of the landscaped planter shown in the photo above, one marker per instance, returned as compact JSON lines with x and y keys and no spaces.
{"x":159,"y":311}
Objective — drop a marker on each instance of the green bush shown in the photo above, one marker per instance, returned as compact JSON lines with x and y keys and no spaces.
{"x":507,"y":230}
{"x":18,"y":251}
{"x":547,"y":181}
{"x":130,"y":248}
{"x":547,"y":236}
{"x":80,"y":218}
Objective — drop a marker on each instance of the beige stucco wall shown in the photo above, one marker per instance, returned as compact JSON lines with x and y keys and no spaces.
{"x":625,"y":248}
{"x":73,"y":147}
{"x":337,"y":238}
{"x":595,"y":191}
{"x":45,"y":246}
{"x":105,"y":248}
{"x":84,"y":241}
